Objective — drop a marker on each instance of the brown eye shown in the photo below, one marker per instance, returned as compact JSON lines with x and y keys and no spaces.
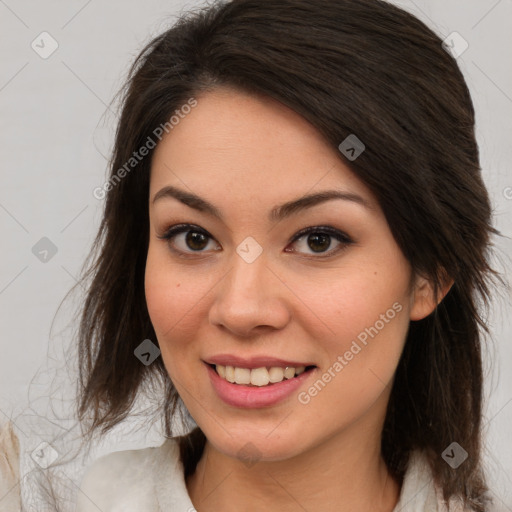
{"x":318,"y":239}
{"x":186,"y":239}
{"x":319,"y":242}
{"x":196,"y":241}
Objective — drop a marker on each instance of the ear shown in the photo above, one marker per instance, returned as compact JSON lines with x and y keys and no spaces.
{"x":423,"y":299}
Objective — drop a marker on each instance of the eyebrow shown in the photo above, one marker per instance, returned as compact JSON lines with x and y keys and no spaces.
{"x":276,"y":214}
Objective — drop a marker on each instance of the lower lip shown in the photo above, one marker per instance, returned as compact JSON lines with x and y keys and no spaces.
{"x":253,"y":397}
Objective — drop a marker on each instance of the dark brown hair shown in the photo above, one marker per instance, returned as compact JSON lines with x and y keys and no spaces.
{"x":361,"y":67}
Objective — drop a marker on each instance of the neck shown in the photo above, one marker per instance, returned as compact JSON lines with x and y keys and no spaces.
{"x":343,"y":473}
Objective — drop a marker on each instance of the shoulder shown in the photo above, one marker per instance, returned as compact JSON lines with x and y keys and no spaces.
{"x":133,"y":480}
{"x":117,"y":476}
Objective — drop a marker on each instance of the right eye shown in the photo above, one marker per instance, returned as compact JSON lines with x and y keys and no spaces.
{"x":192,"y":239}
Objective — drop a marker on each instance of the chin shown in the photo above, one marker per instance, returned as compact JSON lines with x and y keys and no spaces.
{"x":252,"y":446}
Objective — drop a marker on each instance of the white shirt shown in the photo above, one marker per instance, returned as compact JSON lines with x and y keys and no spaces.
{"x":152,"y":480}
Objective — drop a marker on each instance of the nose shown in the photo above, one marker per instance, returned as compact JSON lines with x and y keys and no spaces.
{"x":251,"y":299}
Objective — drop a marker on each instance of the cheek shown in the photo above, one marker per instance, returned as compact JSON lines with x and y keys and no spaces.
{"x":360,"y":297}
{"x":359,"y":360}
{"x":366,"y":310}
{"x":172,"y":301}
{"x":161,"y":295}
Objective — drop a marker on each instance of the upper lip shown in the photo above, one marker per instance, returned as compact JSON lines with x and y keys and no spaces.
{"x":253,"y":362}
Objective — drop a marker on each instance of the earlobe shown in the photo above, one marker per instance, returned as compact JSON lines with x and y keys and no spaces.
{"x":423,"y":299}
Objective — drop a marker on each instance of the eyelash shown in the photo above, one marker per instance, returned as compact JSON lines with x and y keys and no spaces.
{"x":342,"y":237}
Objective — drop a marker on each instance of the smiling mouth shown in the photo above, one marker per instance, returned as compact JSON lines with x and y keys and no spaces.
{"x":258,"y":377}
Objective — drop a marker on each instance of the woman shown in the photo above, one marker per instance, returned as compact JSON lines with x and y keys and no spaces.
{"x":295,"y":243}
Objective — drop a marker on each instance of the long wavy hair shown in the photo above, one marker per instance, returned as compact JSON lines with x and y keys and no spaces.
{"x":363,"y":67}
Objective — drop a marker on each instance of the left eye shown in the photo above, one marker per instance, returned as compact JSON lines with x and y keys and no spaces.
{"x":319,"y":239}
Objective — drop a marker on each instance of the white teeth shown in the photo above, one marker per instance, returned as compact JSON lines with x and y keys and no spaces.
{"x":230,"y":373}
{"x":289,"y":372}
{"x":258,"y":376}
{"x":242,"y":376}
{"x":276,"y":374}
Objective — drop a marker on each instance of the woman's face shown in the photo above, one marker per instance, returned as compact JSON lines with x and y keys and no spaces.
{"x":243,"y":288}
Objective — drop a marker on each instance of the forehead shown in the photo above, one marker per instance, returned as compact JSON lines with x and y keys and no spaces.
{"x":233,"y":144}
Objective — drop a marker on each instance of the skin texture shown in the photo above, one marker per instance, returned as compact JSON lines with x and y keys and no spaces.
{"x":246,"y":155}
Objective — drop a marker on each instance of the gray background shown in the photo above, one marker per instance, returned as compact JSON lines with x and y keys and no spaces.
{"x":56,"y":134}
